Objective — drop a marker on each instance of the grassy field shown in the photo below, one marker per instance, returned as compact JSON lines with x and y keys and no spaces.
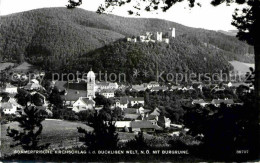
{"x":5,"y":65}
{"x":241,"y":66}
{"x":59,"y":133}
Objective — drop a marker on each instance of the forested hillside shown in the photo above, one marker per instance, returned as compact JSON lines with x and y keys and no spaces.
{"x":64,"y":37}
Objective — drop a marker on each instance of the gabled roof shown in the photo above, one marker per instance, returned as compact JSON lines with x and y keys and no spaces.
{"x":123,"y":100}
{"x":151,"y":117}
{"x":153,"y":83}
{"x":142,"y":124}
{"x":139,"y":87}
{"x":156,"y":111}
{"x":198,"y":101}
{"x":136,"y":98}
{"x":61,"y":85}
{"x":88,"y":101}
{"x":163,"y":119}
{"x":219,"y":101}
{"x":5,"y":99}
{"x":159,"y":88}
{"x":131,"y":116}
{"x":6,"y":105}
{"x":130,"y":111}
{"x":107,"y":91}
{"x":32,"y":86}
{"x":74,"y":95}
{"x":8,"y":85}
{"x":102,"y":83}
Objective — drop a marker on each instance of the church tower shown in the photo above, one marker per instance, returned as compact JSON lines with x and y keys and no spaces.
{"x":159,"y":36}
{"x":91,"y":84}
{"x":171,"y":33}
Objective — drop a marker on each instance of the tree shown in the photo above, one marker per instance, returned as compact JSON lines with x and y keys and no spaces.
{"x":103,"y":136}
{"x":138,"y":143}
{"x":28,"y":137}
{"x":55,"y":98}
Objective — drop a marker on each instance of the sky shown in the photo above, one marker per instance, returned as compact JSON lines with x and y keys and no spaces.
{"x":206,"y":16}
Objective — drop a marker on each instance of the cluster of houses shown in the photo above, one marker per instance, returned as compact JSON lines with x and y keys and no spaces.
{"x":140,"y":119}
{"x":79,"y":96}
{"x":154,"y":37}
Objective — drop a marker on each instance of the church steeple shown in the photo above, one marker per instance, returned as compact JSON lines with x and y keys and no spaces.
{"x":91,"y":84}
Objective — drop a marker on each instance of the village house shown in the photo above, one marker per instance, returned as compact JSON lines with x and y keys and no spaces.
{"x":9,"y":88}
{"x":83,"y":104}
{"x":108,"y":93}
{"x":123,"y":125}
{"x":122,"y":102}
{"x":217,"y":102}
{"x":132,"y":117}
{"x":8,"y":108}
{"x":164,"y":122}
{"x":135,"y":113}
{"x":32,"y":86}
{"x":158,"y":88}
{"x":201,"y":102}
{"x":139,"y":88}
{"x":144,"y":126}
{"x":152,"y":84}
{"x":71,"y":96}
{"x":136,"y":100}
{"x":106,"y":85}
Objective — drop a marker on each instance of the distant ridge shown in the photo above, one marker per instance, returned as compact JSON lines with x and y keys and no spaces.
{"x":229,"y":32}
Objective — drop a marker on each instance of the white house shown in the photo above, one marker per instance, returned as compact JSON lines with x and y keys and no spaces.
{"x":108,"y":93}
{"x":153,"y":84}
{"x":10,"y":89}
{"x":32,"y":86}
{"x":122,"y":102}
{"x":136,"y":100}
{"x":106,"y":85}
{"x":82,"y":104}
{"x":8,"y":108}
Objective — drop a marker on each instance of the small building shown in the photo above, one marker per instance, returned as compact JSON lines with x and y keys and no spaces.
{"x":137,"y":100}
{"x":159,"y":88}
{"x":217,"y":102}
{"x":144,"y":126}
{"x":83,"y":104}
{"x":156,"y":112}
{"x":108,"y":93}
{"x":9,"y":88}
{"x":138,"y":88}
{"x":32,"y":86}
{"x":122,"y":125}
{"x":8,"y":108}
{"x":152,"y":84}
{"x":122,"y":102}
{"x":132,"y":117}
{"x":164,"y":122}
{"x":201,"y":102}
{"x":71,"y":96}
{"x":106,"y":85}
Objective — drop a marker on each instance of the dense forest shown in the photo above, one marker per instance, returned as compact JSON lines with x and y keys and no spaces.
{"x":78,"y":39}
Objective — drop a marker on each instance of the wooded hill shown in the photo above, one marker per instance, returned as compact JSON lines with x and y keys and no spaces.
{"x":72,"y":36}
